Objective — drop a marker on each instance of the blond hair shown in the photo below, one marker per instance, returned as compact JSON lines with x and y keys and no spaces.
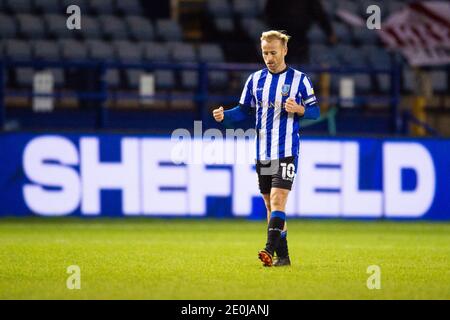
{"x":276,"y":34}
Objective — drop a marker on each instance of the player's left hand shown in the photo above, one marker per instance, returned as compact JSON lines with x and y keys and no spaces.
{"x":293,"y":107}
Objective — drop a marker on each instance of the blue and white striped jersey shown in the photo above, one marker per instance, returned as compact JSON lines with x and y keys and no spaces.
{"x":277,"y":130}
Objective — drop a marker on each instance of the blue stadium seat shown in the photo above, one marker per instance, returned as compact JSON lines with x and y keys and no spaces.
{"x":213,"y":53}
{"x":342,"y":32}
{"x":253,"y":27}
{"x":322,"y":55}
{"x":439,"y":81}
{"x":102,"y":6}
{"x":156,"y":52}
{"x":316,"y":35}
{"x":140,"y":28}
{"x":363,"y":35}
{"x":73,"y":49}
{"x":394,"y":6}
{"x":17,"y":49}
{"x":48,"y":6}
{"x":8,"y":27}
{"x":24,"y":76}
{"x":350,"y":56}
{"x":31,"y":26}
{"x":219,"y":8}
{"x":113,"y":27}
{"x":224,"y":25}
{"x":127,"y":51}
{"x":379,"y":58}
{"x":46,"y":50}
{"x":19,"y":6}
{"x":408,"y":79}
{"x":56,"y":26}
{"x":129,"y":7}
{"x":185,"y":52}
{"x":168,"y":30}
{"x":164,"y":79}
{"x":245,"y":8}
{"x":349,"y":6}
{"x":90,"y":28}
{"x":100,"y":50}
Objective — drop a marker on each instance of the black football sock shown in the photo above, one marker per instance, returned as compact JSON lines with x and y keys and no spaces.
{"x":282,"y":249}
{"x":276,"y":226}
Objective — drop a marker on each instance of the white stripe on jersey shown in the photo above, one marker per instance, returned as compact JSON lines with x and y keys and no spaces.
{"x":290,"y":119}
{"x":276,"y":118}
{"x":265,"y":108}
{"x":309,"y":100}
{"x":244,"y":92}
{"x":307,"y":84}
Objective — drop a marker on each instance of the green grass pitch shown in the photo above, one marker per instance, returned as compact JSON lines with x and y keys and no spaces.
{"x":217,"y":259}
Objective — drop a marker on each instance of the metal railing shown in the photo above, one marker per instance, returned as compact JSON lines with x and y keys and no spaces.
{"x":202,"y":95}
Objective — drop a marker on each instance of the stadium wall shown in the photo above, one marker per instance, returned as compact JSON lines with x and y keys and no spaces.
{"x":116,"y":175}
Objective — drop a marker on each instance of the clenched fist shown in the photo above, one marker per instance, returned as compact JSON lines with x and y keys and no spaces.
{"x":218,"y":114}
{"x":293,"y":107}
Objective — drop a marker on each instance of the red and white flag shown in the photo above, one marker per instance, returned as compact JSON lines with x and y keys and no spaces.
{"x":421,"y":32}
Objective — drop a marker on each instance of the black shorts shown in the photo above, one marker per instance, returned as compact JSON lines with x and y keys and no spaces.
{"x":278,"y":173}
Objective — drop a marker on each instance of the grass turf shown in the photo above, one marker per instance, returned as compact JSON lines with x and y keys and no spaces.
{"x":217,"y":259}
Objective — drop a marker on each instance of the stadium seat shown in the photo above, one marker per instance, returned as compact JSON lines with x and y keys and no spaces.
{"x":17,"y":50}
{"x":19,"y":6}
{"x":24,"y":77}
{"x":350,"y":56}
{"x":102,"y":6}
{"x":349,"y":6}
{"x":31,"y":26}
{"x":245,"y":8}
{"x":316,"y":35}
{"x":155,"y":52}
{"x":253,"y":27}
{"x":73,"y":49}
{"x":56,"y":26}
{"x":379,"y":58}
{"x":8,"y":27}
{"x":342,"y":32}
{"x":164,"y":79}
{"x":224,"y":25}
{"x":395,"y":6}
{"x":363,"y":35}
{"x":129,"y":7}
{"x":219,"y":8}
{"x":48,"y":6}
{"x":212,"y":53}
{"x":322,"y":55}
{"x":184,"y":52}
{"x":127,"y":52}
{"x":113,"y":27}
{"x":140,"y":28}
{"x":99,"y":50}
{"x":168,"y":30}
{"x":45,"y":50}
{"x":439,"y":81}
{"x":408,"y":79}
{"x":91,"y":28}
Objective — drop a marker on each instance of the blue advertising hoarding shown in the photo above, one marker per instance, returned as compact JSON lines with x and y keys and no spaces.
{"x":109,"y":174}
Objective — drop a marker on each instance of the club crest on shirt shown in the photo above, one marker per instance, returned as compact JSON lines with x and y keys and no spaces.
{"x":285,"y":89}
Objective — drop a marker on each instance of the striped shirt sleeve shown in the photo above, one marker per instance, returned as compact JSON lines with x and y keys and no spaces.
{"x":247,"y":93}
{"x":307,"y":92}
